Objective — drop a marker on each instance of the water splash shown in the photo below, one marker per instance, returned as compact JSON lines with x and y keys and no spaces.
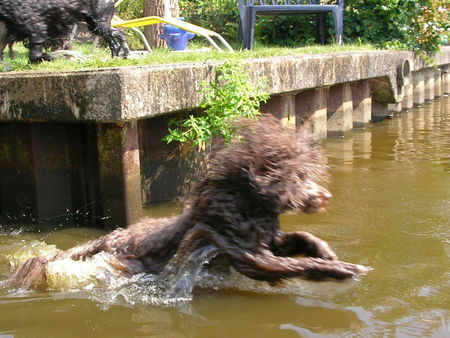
{"x":11,"y":231}
{"x":173,"y":286}
{"x":97,"y":278}
{"x":17,"y":252}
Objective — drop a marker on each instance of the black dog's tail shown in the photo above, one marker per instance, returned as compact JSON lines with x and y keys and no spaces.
{"x":30,"y":275}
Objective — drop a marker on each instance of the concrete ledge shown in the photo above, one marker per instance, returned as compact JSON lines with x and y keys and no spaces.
{"x":99,"y":156}
{"x":129,"y":93}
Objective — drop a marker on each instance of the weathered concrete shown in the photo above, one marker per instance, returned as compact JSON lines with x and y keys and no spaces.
{"x":408,"y":97}
{"x":120,"y":175}
{"x":50,"y":160}
{"x":429,"y":84}
{"x":395,"y":108}
{"x":340,"y":109}
{"x":445,"y":79}
{"x":99,"y":156}
{"x":419,"y":88}
{"x":362,"y":104}
{"x":128,"y":93}
{"x":437,"y":83}
{"x":311,"y":108}
{"x":281,"y":106}
{"x":162,"y":170}
{"x":380,"y":111}
{"x":47,"y":173}
{"x":18,"y":198}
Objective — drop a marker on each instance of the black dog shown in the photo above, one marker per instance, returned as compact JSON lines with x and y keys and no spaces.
{"x":265,"y":171}
{"x":42,"y":21}
{"x":6,"y":40}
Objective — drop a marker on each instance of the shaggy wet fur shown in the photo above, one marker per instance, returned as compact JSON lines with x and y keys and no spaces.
{"x":262,"y":173}
{"x":40,"y":22}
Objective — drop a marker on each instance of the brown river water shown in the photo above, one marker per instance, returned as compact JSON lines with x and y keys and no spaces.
{"x":390,"y":211}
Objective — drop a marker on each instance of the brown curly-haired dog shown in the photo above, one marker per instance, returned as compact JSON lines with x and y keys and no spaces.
{"x":265,"y":171}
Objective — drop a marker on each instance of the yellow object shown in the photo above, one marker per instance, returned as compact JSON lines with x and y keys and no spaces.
{"x":151,"y":20}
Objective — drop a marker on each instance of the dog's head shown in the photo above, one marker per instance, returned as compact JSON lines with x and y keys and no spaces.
{"x":279,"y":167}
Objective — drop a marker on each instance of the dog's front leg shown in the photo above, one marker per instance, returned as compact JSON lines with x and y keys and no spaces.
{"x":301,"y":243}
{"x":264,"y":265}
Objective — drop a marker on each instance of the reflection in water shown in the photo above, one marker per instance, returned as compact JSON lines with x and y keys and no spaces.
{"x":391,"y":211}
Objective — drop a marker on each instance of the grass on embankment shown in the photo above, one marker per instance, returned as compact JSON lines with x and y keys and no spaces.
{"x":101,"y":57}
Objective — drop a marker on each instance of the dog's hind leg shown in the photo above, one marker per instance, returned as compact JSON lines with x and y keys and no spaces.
{"x":301,"y":243}
{"x":31,"y":274}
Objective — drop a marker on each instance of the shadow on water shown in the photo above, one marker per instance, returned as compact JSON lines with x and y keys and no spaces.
{"x":391,"y":211}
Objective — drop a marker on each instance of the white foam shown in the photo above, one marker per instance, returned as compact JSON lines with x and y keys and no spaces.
{"x":97,"y":279}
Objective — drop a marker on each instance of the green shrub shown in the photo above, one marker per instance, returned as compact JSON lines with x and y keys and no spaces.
{"x":227,"y":98}
{"x":221,"y":16}
{"x":417,"y":25}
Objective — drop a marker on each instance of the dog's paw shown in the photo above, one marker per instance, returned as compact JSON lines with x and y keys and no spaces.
{"x":324,"y":251}
{"x":321,"y":269}
{"x":353,"y":270}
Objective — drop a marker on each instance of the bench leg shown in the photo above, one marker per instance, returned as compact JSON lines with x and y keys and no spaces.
{"x":248,"y":28}
{"x":321,"y":28}
{"x":338,"y":26}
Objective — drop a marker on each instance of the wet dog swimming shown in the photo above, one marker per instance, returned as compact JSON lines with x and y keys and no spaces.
{"x":265,"y":171}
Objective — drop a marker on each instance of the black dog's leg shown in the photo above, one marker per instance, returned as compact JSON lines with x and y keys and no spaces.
{"x":264,"y":265}
{"x":301,"y":242}
{"x":12,"y":54}
{"x":114,"y":37}
{"x":35,"y":47}
{"x":120,"y":38}
{"x":99,"y":22}
{"x":2,"y":47}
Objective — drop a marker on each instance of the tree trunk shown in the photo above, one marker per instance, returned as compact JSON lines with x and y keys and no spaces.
{"x":163,"y":8}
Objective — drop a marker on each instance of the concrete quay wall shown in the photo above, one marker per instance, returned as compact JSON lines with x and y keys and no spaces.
{"x":84,"y":147}
{"x":130,"y":93}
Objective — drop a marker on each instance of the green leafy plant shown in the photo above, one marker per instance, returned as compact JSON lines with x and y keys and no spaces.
{"x":229,"y":97}
{"x":418,"y":25}
{"x":221,"y":16}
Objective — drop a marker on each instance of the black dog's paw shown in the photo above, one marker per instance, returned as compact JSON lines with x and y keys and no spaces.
{"x":39,"y":58}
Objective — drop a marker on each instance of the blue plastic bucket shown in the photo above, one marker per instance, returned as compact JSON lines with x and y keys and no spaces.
{"x":176,"y":38}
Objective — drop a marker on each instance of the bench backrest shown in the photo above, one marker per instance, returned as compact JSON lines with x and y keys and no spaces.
{"x":281,"y":2}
